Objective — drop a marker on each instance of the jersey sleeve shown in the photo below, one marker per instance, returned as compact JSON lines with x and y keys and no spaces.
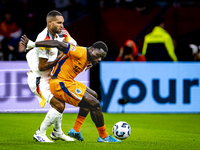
{"x":68,"y":38}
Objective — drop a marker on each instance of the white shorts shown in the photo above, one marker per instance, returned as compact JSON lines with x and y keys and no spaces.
{"x":40,"y":87}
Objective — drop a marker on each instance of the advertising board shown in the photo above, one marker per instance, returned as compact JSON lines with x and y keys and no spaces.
{"x":15,"y":95}
{"x":150,"y":87}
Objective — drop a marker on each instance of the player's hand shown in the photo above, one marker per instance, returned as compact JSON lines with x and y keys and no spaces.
{"x":24,"y":40}
{"x":27,"y":42}
{"x":89,"y":66}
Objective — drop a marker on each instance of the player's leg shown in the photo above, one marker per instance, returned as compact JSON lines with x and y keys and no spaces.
{"x":58,"y":134}
{"x":83,"y":112}
{"x":92,"y":92}
{"x":90,"y":102}
{"x":53,"y":116}
{"x":33,"y":84}
{"x":59,"y":106}
{"x":78,"y":96}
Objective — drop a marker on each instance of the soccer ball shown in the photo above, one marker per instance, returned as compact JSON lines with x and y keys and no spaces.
{"x":121,"y":130}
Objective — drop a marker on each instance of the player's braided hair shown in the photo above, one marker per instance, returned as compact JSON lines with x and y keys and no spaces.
{"x":54,"y":13}
{"x":100,"y":45}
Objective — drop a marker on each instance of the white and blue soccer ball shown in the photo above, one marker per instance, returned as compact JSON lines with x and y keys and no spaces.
{"x":121,"y":130}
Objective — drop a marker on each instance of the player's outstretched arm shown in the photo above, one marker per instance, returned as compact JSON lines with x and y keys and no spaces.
{"x":47,"y":43}
{"x":52,"y":43}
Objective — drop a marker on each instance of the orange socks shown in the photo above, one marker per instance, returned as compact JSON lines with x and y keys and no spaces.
{"x":102,"y":132}
{"x":78,"y":123}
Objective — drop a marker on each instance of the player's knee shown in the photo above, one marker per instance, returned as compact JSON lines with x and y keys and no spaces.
{"x":96,"y":105}
{"x":60,"y":106}
{"x":92,"y":92}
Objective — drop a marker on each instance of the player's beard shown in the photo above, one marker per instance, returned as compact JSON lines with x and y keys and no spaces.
{"x":55,"y":30}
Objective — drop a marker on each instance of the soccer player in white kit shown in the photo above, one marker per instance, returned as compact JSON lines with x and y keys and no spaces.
{"x":41,"y":60}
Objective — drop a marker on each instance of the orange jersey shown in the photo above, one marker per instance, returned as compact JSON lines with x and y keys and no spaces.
{"x":73,"y":62}
{"x":65,"y":87}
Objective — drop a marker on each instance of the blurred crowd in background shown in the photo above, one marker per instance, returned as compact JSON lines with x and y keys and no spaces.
{"x":142,"y":30}
{"x":28,"y":17}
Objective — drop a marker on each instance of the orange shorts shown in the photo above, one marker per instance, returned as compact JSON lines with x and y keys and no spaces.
{"x":69,"y":91}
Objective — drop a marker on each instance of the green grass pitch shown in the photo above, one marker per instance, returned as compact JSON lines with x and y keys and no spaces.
{"x":148,"y":132}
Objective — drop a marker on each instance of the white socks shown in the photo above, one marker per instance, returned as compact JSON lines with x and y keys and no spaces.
{"x":57,"y":125}
{"x":52,"y":117}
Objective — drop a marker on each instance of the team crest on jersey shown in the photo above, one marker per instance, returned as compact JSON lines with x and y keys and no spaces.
{"x":78,"y":91}
{"x":73,"y":48}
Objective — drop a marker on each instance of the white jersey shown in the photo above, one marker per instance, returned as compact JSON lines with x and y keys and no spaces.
{"x":49,"y":53}
{"x":38,"y":81}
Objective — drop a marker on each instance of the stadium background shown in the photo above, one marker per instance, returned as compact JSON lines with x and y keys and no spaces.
{"x":163,"y":97}
{"x":113,"y":22}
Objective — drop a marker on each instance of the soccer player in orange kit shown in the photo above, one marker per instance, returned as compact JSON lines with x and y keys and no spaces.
{"x":65,"y":88}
